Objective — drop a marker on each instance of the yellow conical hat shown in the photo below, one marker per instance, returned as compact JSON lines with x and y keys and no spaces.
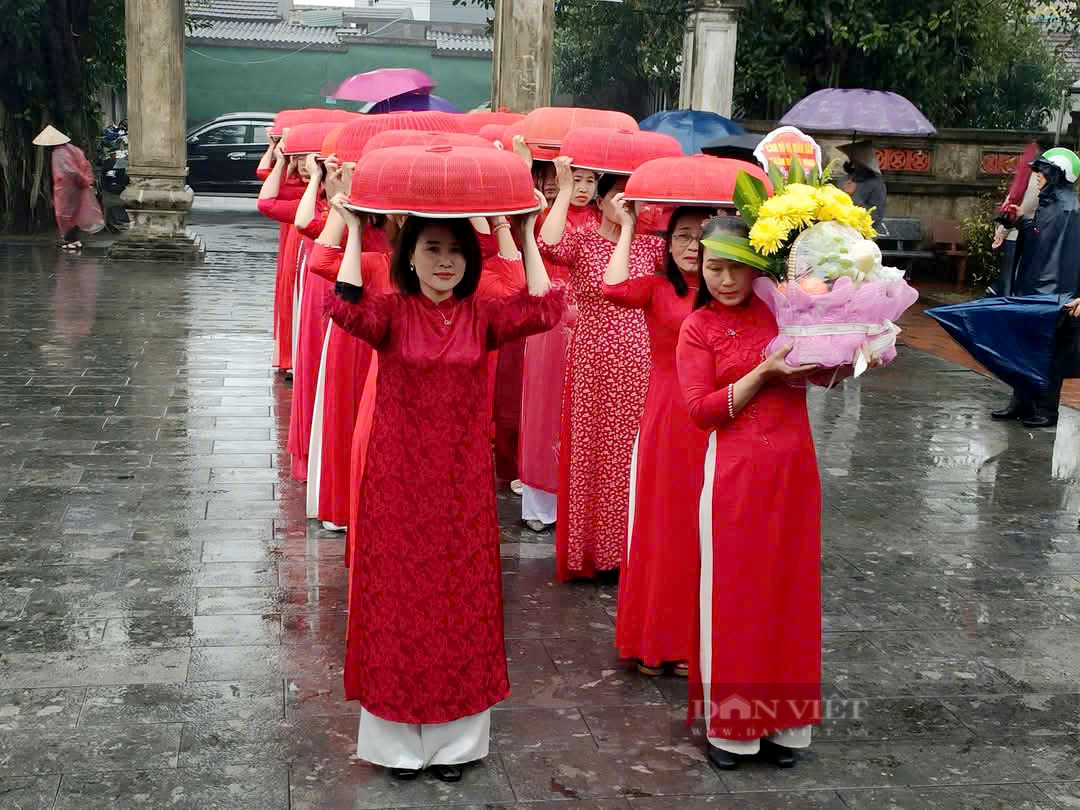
{"x":51,"y":136}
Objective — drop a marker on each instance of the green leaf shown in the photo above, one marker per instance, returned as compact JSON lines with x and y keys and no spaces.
{"x":815,"y":177}
{"x":776,"y":177}
{"x":795,"y":171}
{"x":749,"y":194}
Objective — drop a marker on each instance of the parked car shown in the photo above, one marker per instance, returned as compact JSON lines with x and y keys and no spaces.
{"x":222,"y":156}
{"x":224,"y":153}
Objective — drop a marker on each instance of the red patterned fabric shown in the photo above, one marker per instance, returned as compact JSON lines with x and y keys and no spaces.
{"x":425,"y":632}
{"x":543,"y":377}
{"x":658,"y":580}
{"x":606,"y":378}
{"x":766,"y":526}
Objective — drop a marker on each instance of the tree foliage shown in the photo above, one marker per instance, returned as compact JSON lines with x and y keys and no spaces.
{"x":56,"y":56}
{"x":620,"y":55}
{"x":965,"y":63}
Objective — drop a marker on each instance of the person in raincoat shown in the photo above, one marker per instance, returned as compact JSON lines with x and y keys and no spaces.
{"x":74,"y":203}
{"x":863,"y":180}
{"x":1049,"y":264}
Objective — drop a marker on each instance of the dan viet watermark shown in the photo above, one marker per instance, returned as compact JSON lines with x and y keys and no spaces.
{"x":748,"y":711}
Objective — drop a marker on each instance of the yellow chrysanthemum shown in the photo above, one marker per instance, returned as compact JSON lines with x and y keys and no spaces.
{"x":767,"y":236}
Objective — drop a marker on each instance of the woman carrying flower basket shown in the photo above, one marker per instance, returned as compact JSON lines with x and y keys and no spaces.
{"x":756,"y":665}
{"x":756,"y":669}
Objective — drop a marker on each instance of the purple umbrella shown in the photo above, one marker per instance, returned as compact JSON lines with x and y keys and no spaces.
{"x":381,"y":84}
{"x":413,"y":102}
{"x":869,"y":112}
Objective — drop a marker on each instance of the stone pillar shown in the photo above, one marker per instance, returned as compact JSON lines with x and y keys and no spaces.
{"x":157,"y":197}
{"x":522,"y":62}
{"x":708,"y":67}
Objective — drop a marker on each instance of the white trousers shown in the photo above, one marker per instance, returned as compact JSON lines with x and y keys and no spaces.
{"x":409,"y":745}
{"x":537,"y":504}
{"x":798,"y":737}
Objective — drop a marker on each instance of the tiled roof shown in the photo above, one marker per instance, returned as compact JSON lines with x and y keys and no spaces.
{"x":264,"y":34}
{"x":446,"y":41}
{"x":238,"y":9}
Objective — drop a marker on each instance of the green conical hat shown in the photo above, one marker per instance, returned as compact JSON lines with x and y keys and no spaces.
{"x":1065,"y":159}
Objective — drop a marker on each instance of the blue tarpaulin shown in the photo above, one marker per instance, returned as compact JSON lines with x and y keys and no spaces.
{"x":1015,"y":339}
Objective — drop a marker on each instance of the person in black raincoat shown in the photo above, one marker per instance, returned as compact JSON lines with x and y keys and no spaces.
{"x":1049,"y":248}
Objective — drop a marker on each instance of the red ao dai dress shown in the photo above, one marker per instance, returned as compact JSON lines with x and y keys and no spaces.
{"x":759,"y":608}
{"x":424,"y":644}
{"x":345,"y":371}
{"x":607,"y":375}
{"x":543,"y":378}
{"x":285,"y":280}
{"x":659,"y":578}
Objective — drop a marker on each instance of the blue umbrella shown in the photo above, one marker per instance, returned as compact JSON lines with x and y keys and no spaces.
{"x":1015,"y":339}
{"x":692,"y":128}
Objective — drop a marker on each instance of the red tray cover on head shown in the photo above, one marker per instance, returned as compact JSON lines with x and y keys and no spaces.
{"x":492,"y":132}
{"x":546,"y":127}
{"x":287,"y":119}
{"x":693,"y":180}
{"x":329,"y":144}
{"x":414,"y":137}
{"x":442,"y":181}
{"x":351,"y":143}
{"x":474,"y":121}
{"x":616,"y":151}
{"x":303,"y":139}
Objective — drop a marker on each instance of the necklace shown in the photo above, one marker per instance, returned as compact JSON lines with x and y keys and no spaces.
{"x":446,"y":321}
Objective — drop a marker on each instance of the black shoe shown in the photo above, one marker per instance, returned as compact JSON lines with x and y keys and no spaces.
{"x":1040,"y":420}
{"x":447,"y":773}
{"x":724,"y":760}
{"x":1014,"y":410}
{"x":405,"y":774}
{"x":779,"y":755}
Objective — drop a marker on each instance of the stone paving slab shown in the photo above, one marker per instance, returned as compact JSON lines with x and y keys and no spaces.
{"x":171,"y":625}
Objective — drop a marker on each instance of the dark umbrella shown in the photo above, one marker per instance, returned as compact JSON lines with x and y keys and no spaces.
{"x":381,"y":84}
{"x":691,"y":128}
{"x":869,"y":112}
{"x":1015,"y":339}
{"x":414,"y":102}
{"x":740,"y":147}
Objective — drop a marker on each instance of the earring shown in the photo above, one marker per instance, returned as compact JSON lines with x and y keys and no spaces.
{"x":412,"y":267}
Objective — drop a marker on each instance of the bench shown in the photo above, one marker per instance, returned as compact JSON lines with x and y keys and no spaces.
{"x":899,"y":241}
{"x":950,"y":240}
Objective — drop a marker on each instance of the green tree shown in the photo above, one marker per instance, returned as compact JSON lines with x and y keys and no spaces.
{"x":622,"y":55}
{"x":964,"y":63}
{"x":55,"y":57}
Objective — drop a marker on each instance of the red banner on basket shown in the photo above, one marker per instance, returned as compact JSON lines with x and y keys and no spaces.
{"x":785,"y":144}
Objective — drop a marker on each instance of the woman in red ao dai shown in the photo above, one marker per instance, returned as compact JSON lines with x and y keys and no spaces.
{"x":658,"y":580}
{"x":607,"y":374}
{"x":755,"y":671}
{"x":424,"y":647}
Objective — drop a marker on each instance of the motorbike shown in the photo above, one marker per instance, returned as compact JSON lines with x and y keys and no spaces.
{"x":113,"y":177}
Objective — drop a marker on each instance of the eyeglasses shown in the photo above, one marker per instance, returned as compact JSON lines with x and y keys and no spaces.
{"x":684,"y":239}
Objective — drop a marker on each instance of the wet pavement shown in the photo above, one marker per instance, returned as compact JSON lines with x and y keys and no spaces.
{"x":171,"y":627}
